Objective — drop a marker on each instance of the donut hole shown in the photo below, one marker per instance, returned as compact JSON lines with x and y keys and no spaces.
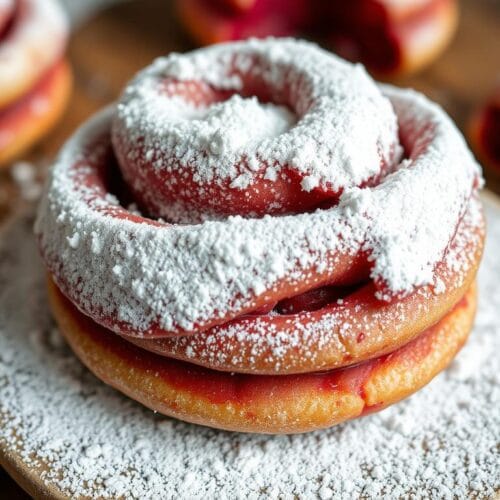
{"x":310,"y":301}
{"x":314,"y":299}
{"x":114,"y":183}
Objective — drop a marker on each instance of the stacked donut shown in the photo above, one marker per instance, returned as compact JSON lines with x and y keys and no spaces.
{"x":34,"y":78}
{"x":260,"y":238}
{"x":388,"y":36}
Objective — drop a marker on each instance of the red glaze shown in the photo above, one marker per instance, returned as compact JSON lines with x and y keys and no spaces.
{"x":360,"y":31}
{"x":236,"y":5}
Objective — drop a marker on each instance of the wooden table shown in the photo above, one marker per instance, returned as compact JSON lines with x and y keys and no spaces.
{"x":107,"y":51}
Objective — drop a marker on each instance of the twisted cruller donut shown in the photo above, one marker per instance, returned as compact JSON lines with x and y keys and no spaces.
{"x":388,"y":36}
{"x":299,"y":219}
{"x":34,"y":79}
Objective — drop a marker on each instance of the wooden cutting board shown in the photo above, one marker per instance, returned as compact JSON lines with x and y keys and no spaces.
{"x":108,"y":50}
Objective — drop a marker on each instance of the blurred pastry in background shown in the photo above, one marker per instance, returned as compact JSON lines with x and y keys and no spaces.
{"x":214,"y":21}
{"x":391,"y":37}
{"x":484,"y":133}
{"x":35,"y":80}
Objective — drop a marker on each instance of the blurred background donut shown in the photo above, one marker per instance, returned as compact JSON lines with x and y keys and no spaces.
{"x":35,"y":80}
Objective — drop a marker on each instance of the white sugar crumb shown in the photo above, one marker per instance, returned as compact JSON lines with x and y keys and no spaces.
{"x":439,"y":286}
{"x":23,"y":172}
{"x":309,"y":182}
{"x":93,"y":451}
{"x":441,"y":443}
{"x":271,"y":174}
{"x":74,"y":240}
{"x":24,"y":175}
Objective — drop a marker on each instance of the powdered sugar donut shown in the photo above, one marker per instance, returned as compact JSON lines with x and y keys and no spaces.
{"x":239,"y":265}
{"x":224,"y":20}
{"x":34,"y":80}
{"x":392,"y":37}
{"x":33,"y":43}
{"x":383,"y":253}
{"x":28,"y":119}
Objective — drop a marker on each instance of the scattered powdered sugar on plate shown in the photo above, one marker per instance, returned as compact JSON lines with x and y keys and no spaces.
{"x":441,"y":443}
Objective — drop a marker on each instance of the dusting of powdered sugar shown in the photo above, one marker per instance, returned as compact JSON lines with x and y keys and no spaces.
{"x":328,"y":95}
{"x":246,"y":345}
{"x":443,"y":442}
{"x":219,"y":130}
{"x":182,"y":277}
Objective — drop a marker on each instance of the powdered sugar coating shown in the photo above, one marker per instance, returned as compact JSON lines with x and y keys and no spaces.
{"x":338,"y":108}
{"x":251,"y":344}
{"x":440,"y":443}
{"x":183,"y":276}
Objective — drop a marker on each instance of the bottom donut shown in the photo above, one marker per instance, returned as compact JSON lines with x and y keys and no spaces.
{"x":259,"y":403}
